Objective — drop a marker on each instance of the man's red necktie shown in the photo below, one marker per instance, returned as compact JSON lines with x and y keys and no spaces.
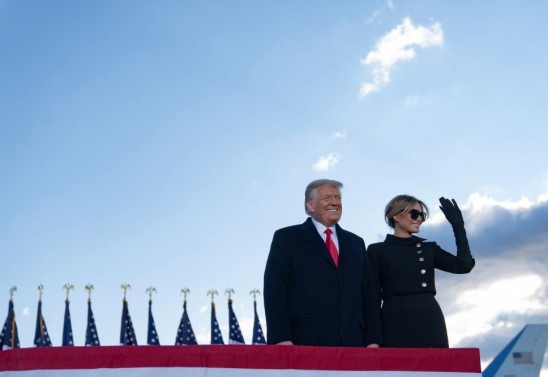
{"x":331,"y":247}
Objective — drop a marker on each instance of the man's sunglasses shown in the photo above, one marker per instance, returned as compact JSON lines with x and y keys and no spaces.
{"x":415,"y":213}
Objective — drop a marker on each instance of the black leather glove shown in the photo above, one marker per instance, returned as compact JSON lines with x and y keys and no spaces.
{"x":452,"y":212}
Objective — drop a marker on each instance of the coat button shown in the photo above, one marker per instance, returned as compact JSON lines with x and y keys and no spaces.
{"x":419,"y":251}
{"x":421,"y":259}
{"x":423,"y":272}
{"x":423,"y":285}
{"x":418,"y":245}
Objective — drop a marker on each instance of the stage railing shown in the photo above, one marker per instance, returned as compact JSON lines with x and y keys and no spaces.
{"x":237,"y":361}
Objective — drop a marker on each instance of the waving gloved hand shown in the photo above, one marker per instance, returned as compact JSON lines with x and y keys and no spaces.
{"x":452,"y":212}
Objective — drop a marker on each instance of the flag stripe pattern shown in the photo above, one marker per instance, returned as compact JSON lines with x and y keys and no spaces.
{"x":41,"y":336}
{"x":9,"y":337}
{"x":523,"y":357}
{"x":238,"y":361}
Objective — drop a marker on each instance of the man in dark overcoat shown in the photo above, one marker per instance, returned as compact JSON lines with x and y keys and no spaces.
{"x":317,"y":281}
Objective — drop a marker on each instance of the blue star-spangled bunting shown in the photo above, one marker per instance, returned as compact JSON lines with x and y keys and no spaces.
{"x":41,"y":336}
{"x":258,"y":335}
{"x":9,"y":337}
{"x":216,"y":336}
{"x":68,"y":341}
{"x":152,"y":335}
{"x":127,"y":333}
{"x":92,"y":337}
{"x":235,"y":333}
{"x":185,"y":334}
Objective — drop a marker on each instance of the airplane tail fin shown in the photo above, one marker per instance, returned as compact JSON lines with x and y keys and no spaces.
{"x":523,"y":356}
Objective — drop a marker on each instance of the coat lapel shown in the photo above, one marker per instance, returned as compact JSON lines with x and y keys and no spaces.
{"x":313,"y":237}
{"x":343,"y":243}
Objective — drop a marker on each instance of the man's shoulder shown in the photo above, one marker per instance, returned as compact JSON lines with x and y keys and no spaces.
{"x":346,"y":233}
{"x":291,"y":229}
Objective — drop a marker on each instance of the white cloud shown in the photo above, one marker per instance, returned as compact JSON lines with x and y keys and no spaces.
{"x":484,"y":308}
{"x":390,"y":4}
{"x":374,"y":16}
{"x":340,"y":134}
{"x":327,"y":162}
{"x":477,"y":203}
{"x":246,"y":325}
{"x":411,"y":101}
{"x":203,"y":335}
{"x":397,"y":45}
{"x":480,"y":208}
{"x":25,"y":312}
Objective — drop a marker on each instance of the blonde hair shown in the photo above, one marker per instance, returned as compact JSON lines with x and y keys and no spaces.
{"x":309,"y":191}
{"x":400,"y":204}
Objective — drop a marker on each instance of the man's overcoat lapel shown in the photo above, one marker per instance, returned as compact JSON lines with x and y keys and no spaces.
{"x":316,"y":241}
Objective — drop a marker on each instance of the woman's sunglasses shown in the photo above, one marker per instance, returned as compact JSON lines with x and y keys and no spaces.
{"x":415,"y":213}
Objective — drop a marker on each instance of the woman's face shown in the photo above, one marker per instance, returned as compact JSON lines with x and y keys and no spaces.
{"x":405,"y":225}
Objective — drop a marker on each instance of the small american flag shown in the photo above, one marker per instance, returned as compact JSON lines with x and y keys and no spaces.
{"x":235,"y":333}
{"x":127,"y":333}
{"x":523,"y":357}
{"x":185,"y":334}
{"x":258,"y":335}
{"x":152,"y":337}
{"x":67,"y":327}
{"x":41,"y":336}
{"x":216,"y":336}
{"x":9,"y":338}
{"x":92,"y":337}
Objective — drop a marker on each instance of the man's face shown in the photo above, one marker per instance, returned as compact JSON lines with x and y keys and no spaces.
{"x":325,"y":205}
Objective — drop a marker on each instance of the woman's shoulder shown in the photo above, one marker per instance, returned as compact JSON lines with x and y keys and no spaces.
{"x":431,"y":244}
{"x":377,"y":245}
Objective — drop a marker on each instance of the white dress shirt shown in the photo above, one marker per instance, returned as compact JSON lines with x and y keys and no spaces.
{"x":321,"y":229}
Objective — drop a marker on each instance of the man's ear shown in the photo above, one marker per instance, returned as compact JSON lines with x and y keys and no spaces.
{"x":309,"y":206}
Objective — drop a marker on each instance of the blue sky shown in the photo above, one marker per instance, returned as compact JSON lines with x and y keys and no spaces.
{"x":162,"y":143}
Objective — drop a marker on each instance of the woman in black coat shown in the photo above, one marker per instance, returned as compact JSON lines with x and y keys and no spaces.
{"x":403,"y":269}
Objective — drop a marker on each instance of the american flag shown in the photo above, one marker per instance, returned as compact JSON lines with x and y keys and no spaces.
{"x":9,"y":337}
{"x":235,"y":334}
{"x":92,"y":337}
{"x":523,"y":357}
{"x":41,"y":336}
{"x":67,"y":327}
{"x":127,"y":333}
{"x":185,"y":334}
{"x":258,"y":336}
{"x":152,"y":337}
{"x":216,"y":336}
